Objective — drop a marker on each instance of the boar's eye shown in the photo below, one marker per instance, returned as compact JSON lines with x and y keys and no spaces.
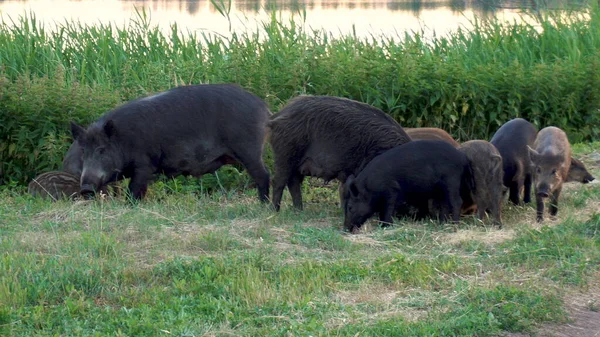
{"x":100,"y":150}
{"x":538,"y":170}
{"x":554,"y":171}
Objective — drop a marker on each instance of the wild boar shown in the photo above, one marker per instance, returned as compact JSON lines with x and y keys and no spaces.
{"x":326,"y":137}
{"x":488,"y":174}
{"x":551,"y":157}
{"x":189,"y":130}
{"x":54,"y":185}
{"x":578,"y":172}
{"x":512,"y":140}
{"x":431,"y":134}
{"x":411,"y":175}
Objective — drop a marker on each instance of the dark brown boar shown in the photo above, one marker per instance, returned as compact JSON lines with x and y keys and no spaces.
{"x":551,"y":159}
{"x":327,"y":137}
{"x":431,"y":134}
{"x":578,"y":172}
{"x":486,"y":163}
{"x":55,"y":185}
{"x":512,"y":140}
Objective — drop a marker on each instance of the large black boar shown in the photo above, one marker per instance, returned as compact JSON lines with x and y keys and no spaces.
{"x":412,"y":174}
{"x":488,"y":174}
{"x":551,"y":159}
{"x":54,"y":184}
{"x":189,"y":130}
{"x":431,"y":134}
{"x":512,"y":140}
{"x":579,"y":173}
{"x":327,"y":137}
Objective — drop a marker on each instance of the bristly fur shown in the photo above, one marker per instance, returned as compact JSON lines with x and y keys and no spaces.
{"x":327,"y":137}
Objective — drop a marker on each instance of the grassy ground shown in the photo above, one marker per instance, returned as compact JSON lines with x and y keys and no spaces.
{"x":225,"y":265}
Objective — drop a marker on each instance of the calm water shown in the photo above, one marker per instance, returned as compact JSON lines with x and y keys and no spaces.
{"x":366,"y":16}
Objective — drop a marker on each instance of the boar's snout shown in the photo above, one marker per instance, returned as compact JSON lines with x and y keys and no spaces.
{"x":87,"y":190}
{"x":588,"y":179}
{"x":543,"y":194}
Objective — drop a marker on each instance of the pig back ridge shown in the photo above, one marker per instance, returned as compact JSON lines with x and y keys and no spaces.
{"x":187,"y":111}
{"x":358,"y":129}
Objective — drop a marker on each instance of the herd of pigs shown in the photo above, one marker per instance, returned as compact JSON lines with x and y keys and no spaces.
{"x":383,"y":168}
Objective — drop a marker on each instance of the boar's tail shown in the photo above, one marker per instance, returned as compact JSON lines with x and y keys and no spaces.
{"x":468,"y":178}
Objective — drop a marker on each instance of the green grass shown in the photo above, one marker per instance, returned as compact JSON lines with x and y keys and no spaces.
{"x":467,"y":82}
{"x":184,"y":263}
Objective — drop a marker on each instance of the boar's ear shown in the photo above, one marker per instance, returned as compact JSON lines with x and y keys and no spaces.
{"x":496,"y":162}
{"x":76,"y":130}
{"x":533,"y":154}
{"x":352,"y":186}
{"x":109,"y":128}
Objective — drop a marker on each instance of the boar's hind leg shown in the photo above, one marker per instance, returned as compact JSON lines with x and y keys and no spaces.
{"x":454,"y":202}
{"x":554,"y":201}
{"x":295,"y":187}
{"x":527,"y":189}
{"x":139,"y":183}
{"x":514,"y":189}
{"x":283,"y":174}
{"x":258,"y":172}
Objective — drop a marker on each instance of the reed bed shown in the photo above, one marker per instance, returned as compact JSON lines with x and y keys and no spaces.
{"x":468,"y":82}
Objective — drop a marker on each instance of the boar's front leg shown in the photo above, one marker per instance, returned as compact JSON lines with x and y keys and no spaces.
{"x":295,"y":188}
{"x":554,"y":201}
{"x":540,"y":207}
{"x":387,"y":209}
{"x":527,"y":188}
{"x":139,"y":183}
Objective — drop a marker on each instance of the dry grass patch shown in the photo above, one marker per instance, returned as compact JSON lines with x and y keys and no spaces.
{"x":390,"y":303}
{"x":375,"y":294}
{"x":44,"y":242}
{"x":489,"y":237}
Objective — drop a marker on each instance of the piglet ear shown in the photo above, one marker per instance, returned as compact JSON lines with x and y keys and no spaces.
{"x":496,"y":162}
{"x":109,"y":128}
{"x":533,"y":154}
{"x":76,"y":130}
{"x":352,"y":186}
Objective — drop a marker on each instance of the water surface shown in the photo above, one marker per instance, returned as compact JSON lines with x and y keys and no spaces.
{"x":364,"y":17}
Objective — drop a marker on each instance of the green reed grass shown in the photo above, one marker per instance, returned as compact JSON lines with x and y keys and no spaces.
{"x":468,"y":82}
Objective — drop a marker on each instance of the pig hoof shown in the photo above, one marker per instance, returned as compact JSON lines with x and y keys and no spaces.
{"x":540,"y":219}
{"x":355,"y":230}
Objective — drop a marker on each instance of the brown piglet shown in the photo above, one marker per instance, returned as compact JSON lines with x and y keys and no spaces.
{"x":551,"y":159}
